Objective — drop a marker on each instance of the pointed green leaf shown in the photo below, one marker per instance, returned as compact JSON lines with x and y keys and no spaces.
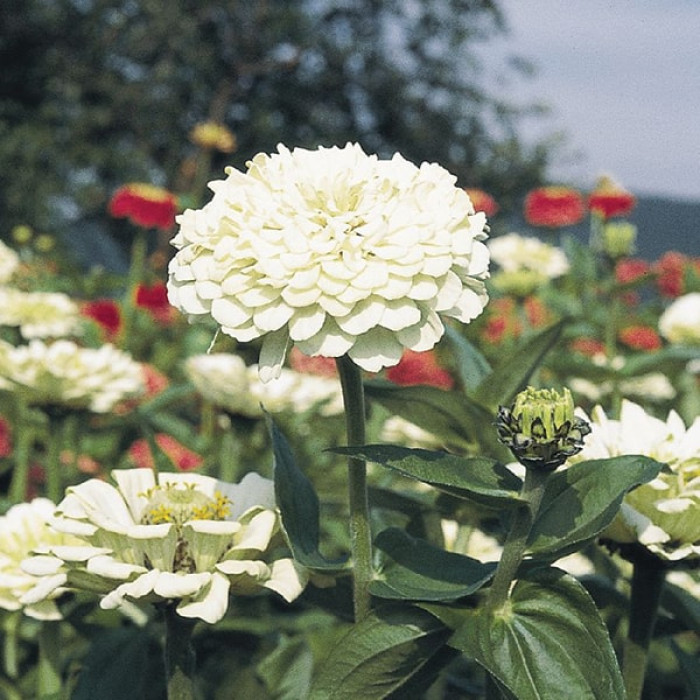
{"x":299,"y":507}
{"x":582,"y":500}
{"x":417,"y":570}
{"x":472,"y":366}
{"x":684,"y":606}
{"x":477,"y":478}
{"x":514,"y":370}
{"x":378,"y":654}
{"x":548,"y":642}
{"x":287,"y":671}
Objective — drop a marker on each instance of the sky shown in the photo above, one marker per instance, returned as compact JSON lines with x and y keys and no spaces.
{"x":622,"y":81}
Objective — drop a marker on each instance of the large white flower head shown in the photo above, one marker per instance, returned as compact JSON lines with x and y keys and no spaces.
{"x":64,"y":374}
{"x":39,"y":314}
{"x":680,"y":322}
{"x":663,"y":514}
{"x":335,"y":251}
{"x":185,"y":538}
{"x":23,"y":529}
{"x":226,"y":381}
{"x":9,"y":262}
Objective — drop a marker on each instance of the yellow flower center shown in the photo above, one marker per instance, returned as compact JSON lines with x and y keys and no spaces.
{"x":178,"y":503}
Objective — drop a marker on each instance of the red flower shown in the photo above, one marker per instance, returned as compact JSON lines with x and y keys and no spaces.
{"x":587,"y":346}
{"x":106,"y":313}
{"x":671,"y":270}
{"x":629,"y":270}
{"x":154,"y":299}
{"x":640,"y":338}
{"x":482,"y":201}
{"x":318,"y":365}
{"x":537,"y":313}
{"x":144,"y":205}
{"x":5,"y":438}
{"x":420,"y":368}
{"x":554,"y":207}
{"x":609,"y":199}
{"x":182,"y":458}
{"x":502,"y":322}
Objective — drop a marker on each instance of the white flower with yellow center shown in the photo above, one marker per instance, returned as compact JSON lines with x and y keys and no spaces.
{"x":39,"y":314}
{"x":9,"y":262}
{"x":515,"y":253}
{"x":23,"y":529}
{"x":663,"y":514}
{"x":334,"y":251}
{"x":171,"y":537}
{"x":680,"y":322}
{"x":225,"y":380}
{"x":62,"y":373}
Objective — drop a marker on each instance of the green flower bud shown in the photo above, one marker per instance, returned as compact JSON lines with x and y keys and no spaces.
{"x":520,"y":283}
{"x":619,"y":239}
{"x":540,"y":428}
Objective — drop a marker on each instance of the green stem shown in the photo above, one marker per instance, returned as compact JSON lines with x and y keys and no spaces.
{"x":49,"y":666}
{"x":179,"y":655}
{"x":516,"y":542}
{"x":137,"y":266}
{"x":648,"y":577}
{"x":360,"y":531}
{"x":20,"y":474}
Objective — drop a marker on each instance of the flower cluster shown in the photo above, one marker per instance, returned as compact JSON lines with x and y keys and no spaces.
{"x":39,"y":314}
{"x":185,"y":538}
{"x":9,"y":262}
{"x":335,"y":251}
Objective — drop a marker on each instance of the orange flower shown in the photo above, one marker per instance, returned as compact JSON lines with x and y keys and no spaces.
{"x":609,"y":199}
{"x":144,"y":205}
{"x":482,"y":201}
{"x":212,"y":135}
{"x":629,"y":270}
{"x":106,"y":314}
{"x":154,"y":299}
{"x":182,"y":458}
{"x":640,"y":338}
{"x":318,"y":365}
{"x":419,"y":368}
{"x":587,"y":346}
{"x":554,"y":207}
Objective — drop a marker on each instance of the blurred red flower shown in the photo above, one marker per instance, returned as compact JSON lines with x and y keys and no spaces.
{"x":640,"y":338}
{"x":671,"y":270}
{"x":5,"y":438}
{"x":154,"y":299}
{"x":419,"y":368}
{"x":537,"y":313}
{"x":587,"y":346}
{"x":144,"y":205}
{"x":182,"y":458}
{"x":106,"y":314}
{"x":501,"y":321}
{"x":318,"y":365}
{"x":554,"y":206}
{"x":609,"y":199}
{"x":629,"y":270}
{"x":482,"y":201}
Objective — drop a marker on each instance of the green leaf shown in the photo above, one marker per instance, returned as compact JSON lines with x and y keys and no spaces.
{"x":548,"y":642}
{"x":472,"y":366}
{"x":684,"y":606}
{"x":661,"y":361}
{"x":378,"y":654}
{"x":583,"y":499}
{"x":287,"y":670}
{"x":454,"y":418}
{"x":299,"y":507}
{"x":515,"y":369}
{"x":476,"y":478}
{"x":417,"y":570}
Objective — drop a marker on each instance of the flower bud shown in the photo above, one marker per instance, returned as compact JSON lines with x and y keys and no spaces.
{"x":618,"y":239}
{"x":540,"y":428}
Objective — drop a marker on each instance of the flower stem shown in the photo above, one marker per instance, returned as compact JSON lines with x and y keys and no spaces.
{"x":514,"y":547}
{"x":49,"y":666}
{"x":22,"y":457}
{"x":360,"y":532}
{"x":137,"y":266}
{"x":648,"y":577}
{"x":179,"y":655}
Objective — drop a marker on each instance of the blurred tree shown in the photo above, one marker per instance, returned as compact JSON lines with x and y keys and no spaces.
{"x":94,"y":93}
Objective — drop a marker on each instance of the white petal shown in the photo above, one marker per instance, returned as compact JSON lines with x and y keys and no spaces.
{"x":138,"y":588}
{"x":287,"y":578}
{"x":133,"y":484}
{"x":376,"y":350}
{"x":256,"y":570}
{"x":258,"y":532}
{"x":170,"y":585}
{"x":252,"y":490}
{"x":211,"y":603}
{"x":228,"y":312}
{"x":306,"y":323}
{"x":364,"y":316}
{"x":272,"y":354}
{"x":46,"y":586}
{"x":42,"y":565}
{"x":423,"y":336}
{"x":330,"y":341}
{"x":111,"y":568}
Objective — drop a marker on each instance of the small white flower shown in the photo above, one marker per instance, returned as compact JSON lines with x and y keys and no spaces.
{"x":664,"y":514}
{"x":680,"y":322}
{"x":9,"y":262}
{"x":225,"y":380}
{"x":65,"y":374}
{"x":183,"y":537}
{"x":334,"y":251}
{"x":24,"y":529}
{"x":516,"y":253}
{"x":39,"y":314}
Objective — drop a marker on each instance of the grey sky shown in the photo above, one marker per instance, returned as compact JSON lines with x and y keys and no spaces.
{"x":622,"y":78}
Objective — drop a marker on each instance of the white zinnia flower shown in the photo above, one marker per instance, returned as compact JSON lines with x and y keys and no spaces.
{"x":65,"y":374}
{"x":9,"y":262}
{"x":664,"y":514}
{"x":680,"y":322}
{"x":39,"y":314}
{"x":225,"y":380}
{"x":335,"y":251}
{"x":23,"y":529}
{"x":515,"y":253}
{"x":181,"y":537}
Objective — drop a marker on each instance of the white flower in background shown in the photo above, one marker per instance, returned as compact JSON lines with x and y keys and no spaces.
{"x":664,"y":514}
{"x":171,"y":537}
{"x":515,"y":253}
{"x":334,"y":251}
{"x":399,"y":431}
{"x":39,"y":314}
{"x":65,"y":374}
{"x":225,"y":380}
{"x":9,"y":262}
{"x":23,"y":529}
{"x":680,"y":322}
